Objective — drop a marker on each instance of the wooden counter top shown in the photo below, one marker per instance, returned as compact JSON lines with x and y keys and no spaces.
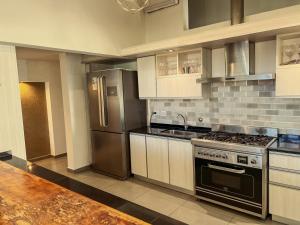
{"x":29,"y":200}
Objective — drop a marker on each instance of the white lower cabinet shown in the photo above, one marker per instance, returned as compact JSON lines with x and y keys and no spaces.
{"x":181,"y":164}
{"x":284,"y":202}
{"x":166,"y":160}
{"x":158,"y":158}
{"x":138,"y":154}
{"x":284,"y":187}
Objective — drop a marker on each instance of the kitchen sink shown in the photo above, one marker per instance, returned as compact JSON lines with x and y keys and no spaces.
{"x":179,"y":133}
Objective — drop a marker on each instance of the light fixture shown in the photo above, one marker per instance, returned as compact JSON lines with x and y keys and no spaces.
{"x":133,"y":6}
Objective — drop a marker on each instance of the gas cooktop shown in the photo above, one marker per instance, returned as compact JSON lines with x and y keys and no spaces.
{"x":245,"y":139}
{"x":238,"y":138}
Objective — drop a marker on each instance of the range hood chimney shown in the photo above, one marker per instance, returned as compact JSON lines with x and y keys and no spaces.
{"x":237,"y":11}
{"x":239,"y":56}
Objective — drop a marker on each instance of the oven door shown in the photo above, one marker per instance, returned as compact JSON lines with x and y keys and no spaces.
{"x":235,"y":182}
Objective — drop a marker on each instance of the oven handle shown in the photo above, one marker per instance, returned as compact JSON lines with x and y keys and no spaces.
{"x":226,"y":169}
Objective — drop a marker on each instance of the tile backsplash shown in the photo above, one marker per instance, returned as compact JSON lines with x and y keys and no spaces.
{"x":251,"y":103}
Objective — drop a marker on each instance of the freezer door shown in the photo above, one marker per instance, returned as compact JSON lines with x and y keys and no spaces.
{"x":105,"y":91}
{"x":110,"y":153}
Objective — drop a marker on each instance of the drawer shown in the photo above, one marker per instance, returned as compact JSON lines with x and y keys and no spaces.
{"x":290,"y":162}
{"x":284,"y":177}
{"x":284,"y":202}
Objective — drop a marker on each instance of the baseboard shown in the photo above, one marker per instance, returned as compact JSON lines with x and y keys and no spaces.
{"x":5,"y":155}
{"x":59,"y":156}
{"x":40,"y":158}
{"x":169,"y":186}
{"x":284,"y":220}
{"x":79,"y":170}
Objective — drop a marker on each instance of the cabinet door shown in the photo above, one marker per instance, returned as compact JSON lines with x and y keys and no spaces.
{"x":188,"y":87}
{"x":166,"y":87}
{"x":284,"y":202}
{"x":179,"y":87}
{"x":181,"y":164}
{"x":146,"y":77}
{"x":157,"y":158}
{"x":287,"y":81}
{"x":138,"y":154}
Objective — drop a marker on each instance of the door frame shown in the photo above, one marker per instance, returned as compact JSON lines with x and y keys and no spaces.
{"x":49,"y":112}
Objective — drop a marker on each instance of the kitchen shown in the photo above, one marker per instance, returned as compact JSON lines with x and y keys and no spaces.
{"x":216,"y":114}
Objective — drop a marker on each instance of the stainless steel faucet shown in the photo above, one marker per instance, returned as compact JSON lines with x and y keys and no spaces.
{"x":152,"y":114}
{"x":184,"y":121}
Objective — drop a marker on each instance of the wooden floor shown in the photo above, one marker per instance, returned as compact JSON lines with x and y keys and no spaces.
{"x":29,"y":200}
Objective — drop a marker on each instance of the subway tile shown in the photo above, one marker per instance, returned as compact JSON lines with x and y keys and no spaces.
{"x":291,"y":106}
{"x":241,"y":83}
{"x":252,"y":82}
{"x":252,"y":105}
{"x":266,"y":94}
{"x":296,"y":113}
{"x":272,"y":112}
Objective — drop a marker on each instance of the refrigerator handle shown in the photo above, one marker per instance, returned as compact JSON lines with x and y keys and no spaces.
{"x":102,"y":101}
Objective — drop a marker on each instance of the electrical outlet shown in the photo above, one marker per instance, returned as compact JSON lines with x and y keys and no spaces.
{"x":163,"y":113}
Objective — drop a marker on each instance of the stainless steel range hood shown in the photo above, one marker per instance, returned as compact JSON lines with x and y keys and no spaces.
{"x":239,"y":56}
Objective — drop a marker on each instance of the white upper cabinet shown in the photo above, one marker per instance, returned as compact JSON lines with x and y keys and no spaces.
{"x":138,"y":154}
{"x":177,"y":73}
{"x":147,"y":77}
{"x":288,"y":65}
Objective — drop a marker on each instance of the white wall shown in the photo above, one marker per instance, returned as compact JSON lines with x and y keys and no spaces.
{"x":11,"y":125}
{"x":166,"y":23}
{"x":49,"y":72}
{"x":93,"y":26}
{"x":75,"y":111}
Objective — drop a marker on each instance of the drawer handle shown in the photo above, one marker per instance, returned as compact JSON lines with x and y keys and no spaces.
{"x":285,"y":185}
{"x":285,"y":170}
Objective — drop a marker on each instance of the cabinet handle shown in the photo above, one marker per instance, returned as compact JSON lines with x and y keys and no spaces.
{"x":285,"y":185}
{"x":285,"y":170}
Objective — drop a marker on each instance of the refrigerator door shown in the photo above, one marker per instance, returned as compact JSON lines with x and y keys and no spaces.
{"x":110,"y":153}
{"x":106,"y":104}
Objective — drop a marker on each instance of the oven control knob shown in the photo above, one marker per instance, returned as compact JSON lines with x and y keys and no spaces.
{"x":253,"y":161}
{"x":218,"y":156}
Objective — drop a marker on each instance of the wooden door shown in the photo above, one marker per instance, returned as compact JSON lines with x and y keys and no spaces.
{"x":35,"y":119}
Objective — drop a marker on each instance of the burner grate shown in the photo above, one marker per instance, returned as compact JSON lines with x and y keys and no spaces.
{"x":253,"y":140}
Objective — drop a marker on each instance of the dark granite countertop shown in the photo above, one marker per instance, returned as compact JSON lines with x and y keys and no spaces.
{"x":156,"y":129}
{"x":286,"y":144}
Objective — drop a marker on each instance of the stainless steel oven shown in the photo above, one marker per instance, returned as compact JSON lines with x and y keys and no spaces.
{"x":230,"y":178}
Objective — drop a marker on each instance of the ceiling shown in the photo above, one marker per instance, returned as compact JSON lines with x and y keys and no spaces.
{"x":36,"y":54}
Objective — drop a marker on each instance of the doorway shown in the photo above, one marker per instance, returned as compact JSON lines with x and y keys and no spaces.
{"x":35,"y":120}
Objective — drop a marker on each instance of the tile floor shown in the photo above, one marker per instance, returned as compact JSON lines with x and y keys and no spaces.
{"x":170,"y":203}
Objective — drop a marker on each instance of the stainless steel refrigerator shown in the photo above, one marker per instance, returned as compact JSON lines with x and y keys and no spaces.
{"x":115,"y":108}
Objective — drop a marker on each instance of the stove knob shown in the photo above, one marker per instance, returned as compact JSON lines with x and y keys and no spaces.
{"x":253,"y":161}
{"x":218,"y":156}
{"x":224,"y":156}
